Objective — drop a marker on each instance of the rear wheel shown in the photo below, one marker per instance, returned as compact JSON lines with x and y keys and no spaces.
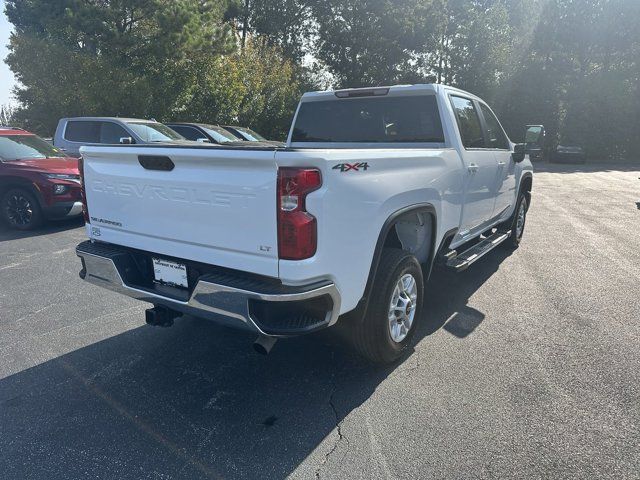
{"x":394,"y":309}
{"x":20,"y":209}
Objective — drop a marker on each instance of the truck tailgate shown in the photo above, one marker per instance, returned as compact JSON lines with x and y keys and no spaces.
{"x":215,"y":205}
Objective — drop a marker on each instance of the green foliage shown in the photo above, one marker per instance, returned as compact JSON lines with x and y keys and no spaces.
{"x":59,"y":82}
{"x":287,"y":24}
{"x":368,"y":42}
{"x":579,"y":76}
{"x":257,"y":87}
{"x":7,"y":115}
{"x":573,"y":65}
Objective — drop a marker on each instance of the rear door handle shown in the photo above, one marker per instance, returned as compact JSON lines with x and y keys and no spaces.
{"x":502,"y":164}
{"x":473,"y":168}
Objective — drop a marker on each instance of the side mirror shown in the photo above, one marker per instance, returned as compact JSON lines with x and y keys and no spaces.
{"x":534,"y":141}
{"x":519,"y":152}
{"x":203,"y":140}
{"x":534,"y":136}
{"x":126,"y":141}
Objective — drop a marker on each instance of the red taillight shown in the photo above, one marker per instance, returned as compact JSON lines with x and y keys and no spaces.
{"x":83,"y":193}
{"x":297,"y":231}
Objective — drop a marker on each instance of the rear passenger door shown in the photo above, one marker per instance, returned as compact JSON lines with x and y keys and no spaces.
{"x":481,"y":168}
{"x":497,"y":141}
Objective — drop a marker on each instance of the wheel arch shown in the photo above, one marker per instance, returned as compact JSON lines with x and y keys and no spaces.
{"x":526,"y":185}
{"x":9,"y":182}
{"x":389,"y":237}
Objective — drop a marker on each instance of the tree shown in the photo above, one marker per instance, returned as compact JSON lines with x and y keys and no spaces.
{"x":107,"y":58}
{"x":368,"y":42}
{"x":287,"y":24}
{"x":564,"y":63}
{"x":257,"y":87}
{"x":581,"y":67}
{"x":7,"y":114}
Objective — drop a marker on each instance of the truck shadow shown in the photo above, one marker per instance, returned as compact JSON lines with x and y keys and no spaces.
{"x":53,"y":226}
{"x":194,"y":401}
{"x":447,"y":294}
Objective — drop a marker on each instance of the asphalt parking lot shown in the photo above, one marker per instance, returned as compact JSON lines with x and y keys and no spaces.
{"x":526,"y":366}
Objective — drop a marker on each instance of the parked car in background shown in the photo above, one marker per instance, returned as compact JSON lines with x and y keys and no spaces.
{"x":568,"y":154}
{"x":37,"y":180}
{"x":73,"y":133}
{"x":249,"y":135}
{"x":203,"y":132}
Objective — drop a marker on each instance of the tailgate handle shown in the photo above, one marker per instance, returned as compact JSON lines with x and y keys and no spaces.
{"x":156,"y":162}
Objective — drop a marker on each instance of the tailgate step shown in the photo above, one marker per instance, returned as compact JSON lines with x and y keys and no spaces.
{"x":463,"y":260}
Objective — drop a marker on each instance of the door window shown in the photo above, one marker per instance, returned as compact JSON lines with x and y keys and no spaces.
{"x":82,"y":131}
{"x":468,"y":122}
{"x":187,"y":132}
{"x":496,"y":138}
{"x":111,"y":133}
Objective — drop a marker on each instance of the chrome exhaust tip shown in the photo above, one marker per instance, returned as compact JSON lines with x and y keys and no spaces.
{"x":264,"y":344}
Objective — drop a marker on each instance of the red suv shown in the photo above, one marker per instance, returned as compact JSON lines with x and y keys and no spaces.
{"x":37,"y":181}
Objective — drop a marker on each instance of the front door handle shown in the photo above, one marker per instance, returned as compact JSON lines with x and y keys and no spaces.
{"x":502,"y":164}
{"x":473,"y":168}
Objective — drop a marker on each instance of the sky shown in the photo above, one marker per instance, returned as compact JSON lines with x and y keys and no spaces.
{"x":6,"y":77}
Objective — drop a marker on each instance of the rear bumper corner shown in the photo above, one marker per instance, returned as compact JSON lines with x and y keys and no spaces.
{"x":264,"y":306}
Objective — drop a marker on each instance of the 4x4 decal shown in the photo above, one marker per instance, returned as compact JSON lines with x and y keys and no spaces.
{"x":345,"y":167}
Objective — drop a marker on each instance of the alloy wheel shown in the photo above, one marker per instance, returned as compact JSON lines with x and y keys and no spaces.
{"x":18,"y":209}
{"x":402,"y":308}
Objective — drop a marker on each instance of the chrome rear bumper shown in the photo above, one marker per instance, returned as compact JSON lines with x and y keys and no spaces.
{"x":214,"y":295}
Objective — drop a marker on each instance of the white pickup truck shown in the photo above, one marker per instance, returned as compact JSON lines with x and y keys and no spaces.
{"x":343,"y":224}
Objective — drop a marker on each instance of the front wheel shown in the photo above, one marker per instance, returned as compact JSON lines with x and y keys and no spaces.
{"x":517,"y":222}
{"x":20,"y":209}
{"x":394,"y":309}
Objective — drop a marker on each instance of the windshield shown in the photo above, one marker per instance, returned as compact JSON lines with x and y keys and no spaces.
{"x":219,"y":134}
{"x":18,"y":147}
{"x":154,"y":132}
{"x":253,"y":136}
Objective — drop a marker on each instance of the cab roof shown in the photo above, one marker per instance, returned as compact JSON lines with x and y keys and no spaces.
{"x":113,"y":119}
{"x":6,"y":130}
{"x":381,"y":91}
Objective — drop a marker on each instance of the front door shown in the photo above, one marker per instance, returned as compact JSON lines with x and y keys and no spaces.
{"x":497,"y":141}
{"x":481,"y":169}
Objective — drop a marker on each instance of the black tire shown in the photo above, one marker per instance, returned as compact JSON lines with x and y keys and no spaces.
{"x":515,"y":238}
{"x":372,"y":335}
{"x":20,"y":209}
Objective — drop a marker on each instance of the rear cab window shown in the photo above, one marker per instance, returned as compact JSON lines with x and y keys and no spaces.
{"x":374,"y":120}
